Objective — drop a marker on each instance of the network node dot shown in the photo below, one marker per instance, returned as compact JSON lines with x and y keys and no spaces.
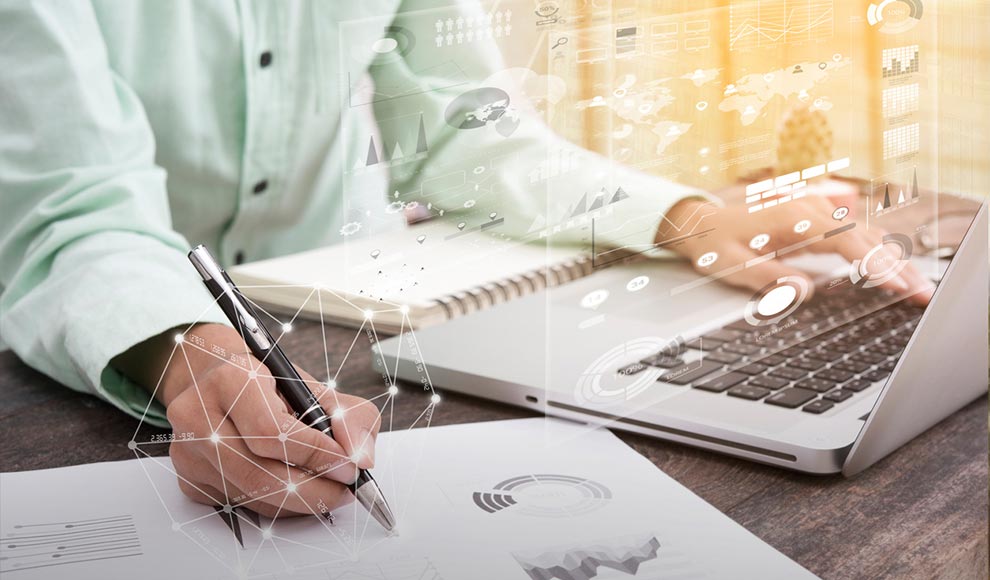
{"x":291,"y":488}
{"x":266,"y":533}
{"x":368,"y":314}
{"x":331,"y":384}
{"x":215,"y":437}
{"x":179,"y":338}
{"x":227,"y":508}
{"x":357,"y":456}
{"x":404,"y":309}
{"x":176,"y":526}
{"x":132,"y":445}
{"x":338,"y":413}
{"x":252,"y":375}
{"x":283,"y":437}
{"x":435,"y":399}
{"x":393,"y":390}
{"x":287,"y":327}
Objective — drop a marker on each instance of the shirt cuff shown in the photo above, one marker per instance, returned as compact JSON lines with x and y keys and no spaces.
{"x":633,"y":224}
{"x":103,"y":295}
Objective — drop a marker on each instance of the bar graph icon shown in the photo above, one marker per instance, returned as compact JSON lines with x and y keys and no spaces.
{"x":401,"y":142}
{"x":901,"y":61}
{"x":889,"y":196}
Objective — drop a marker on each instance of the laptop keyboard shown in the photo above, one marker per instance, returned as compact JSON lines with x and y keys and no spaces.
{"x":830,"y":350}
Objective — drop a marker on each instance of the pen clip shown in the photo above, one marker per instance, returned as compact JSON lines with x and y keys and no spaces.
{"x":210,"y":270}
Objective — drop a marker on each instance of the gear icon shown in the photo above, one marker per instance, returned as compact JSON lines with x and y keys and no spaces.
{"x":350,"y":229}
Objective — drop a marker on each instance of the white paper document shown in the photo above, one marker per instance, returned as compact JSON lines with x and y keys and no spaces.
{"x":532,"y":499}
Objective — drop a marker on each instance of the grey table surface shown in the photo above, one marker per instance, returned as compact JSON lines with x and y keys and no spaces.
{"x":919,"y":513}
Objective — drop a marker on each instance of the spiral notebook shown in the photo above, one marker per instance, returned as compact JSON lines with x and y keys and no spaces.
{"x":415,"y":277}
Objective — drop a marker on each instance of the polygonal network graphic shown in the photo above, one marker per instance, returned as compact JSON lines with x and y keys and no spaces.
{"x":350,"y":531}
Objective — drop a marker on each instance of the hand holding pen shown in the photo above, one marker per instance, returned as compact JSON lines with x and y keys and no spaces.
{"x":242,"y":446}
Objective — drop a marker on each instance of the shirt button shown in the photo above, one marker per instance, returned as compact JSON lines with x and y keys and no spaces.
{"x":239,"y":258}
{"x":266,"y":59}
{"x":260,"y":187}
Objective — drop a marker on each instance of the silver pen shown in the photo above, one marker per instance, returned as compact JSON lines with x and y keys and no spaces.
{"x":288,"y":382}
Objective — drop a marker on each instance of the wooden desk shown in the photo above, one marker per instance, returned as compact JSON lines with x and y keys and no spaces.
{"x":921,"y":513}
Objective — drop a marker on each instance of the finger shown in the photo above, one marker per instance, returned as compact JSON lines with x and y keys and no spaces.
{"x":206,"y":494}
{"x":757,"y":276}
{"x":355,"y":427}
{"x":921,"y":288}
{"x":269,"y":431}
{"x":273,"y":482}
{"x":855,"y":246}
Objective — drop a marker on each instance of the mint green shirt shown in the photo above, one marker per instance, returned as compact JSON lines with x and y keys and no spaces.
{"x":130,"y":129}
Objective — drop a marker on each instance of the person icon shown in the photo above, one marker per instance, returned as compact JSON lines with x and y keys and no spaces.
{"x":798,"y":69}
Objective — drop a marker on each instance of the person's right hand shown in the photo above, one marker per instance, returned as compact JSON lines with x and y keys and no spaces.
{"x":733,"y":228}
{"x":246,"y":447}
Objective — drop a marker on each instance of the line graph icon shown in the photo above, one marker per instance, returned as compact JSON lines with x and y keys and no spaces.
{"x":624,"y":555}
{"x":767,"y":23}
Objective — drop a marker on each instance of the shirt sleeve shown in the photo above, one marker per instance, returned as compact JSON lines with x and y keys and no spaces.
{"x":508,"y":184}
{"x":89,"y":263}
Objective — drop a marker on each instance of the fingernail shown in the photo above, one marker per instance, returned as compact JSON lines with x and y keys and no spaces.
{"x":367,"y":447}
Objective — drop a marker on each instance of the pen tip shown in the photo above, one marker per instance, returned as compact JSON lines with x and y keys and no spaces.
{"x":370,"y":496}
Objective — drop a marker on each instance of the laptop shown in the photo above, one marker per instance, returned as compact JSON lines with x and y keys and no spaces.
{"x":821,"y":382}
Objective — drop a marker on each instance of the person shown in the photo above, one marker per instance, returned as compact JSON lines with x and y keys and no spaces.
{"x":128,"y":130}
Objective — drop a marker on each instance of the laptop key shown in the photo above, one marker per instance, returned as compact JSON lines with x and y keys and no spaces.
{"x":695,"y":344}
{"x":857,"y":385}
{"x":686,"y":374}
{"x":753,"y":369}
{"x":663,"y":361}
{"x":853,"y":366}
{"x":773,"y":360}
{"x":835,"y":375}
{"x":818,"y":407}
{"x":721,"y":383}
{"x":632,"y":369}
{"x":748,"y":392}
{"x":875,"y":376}
{"x":789,"y":373}
{"x":817,"y":385}
{"x":791,"y":398}
{"x":745,"y":349}
{"x":888,"y":366}
{"x":868,"y":357}
{"x":741,"y":325}
{"x":723,"y":357}
{"x":722,"y":335}
{"x":768,"y":382}
{"x":827,"y":355}
{"x":808,"y":364}
{"x":838,"y":396}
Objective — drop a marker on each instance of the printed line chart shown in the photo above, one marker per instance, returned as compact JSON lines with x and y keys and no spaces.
{"x":43,"y":545}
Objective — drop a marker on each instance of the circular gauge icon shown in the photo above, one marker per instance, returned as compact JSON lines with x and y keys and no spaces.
{"x":840,"y":213}
{"x":777,"y":300}
{"x":759,"y":242}
{"x":882,"y":263}
{"x":638,"y":283}
{"x":708,"y":259}
{"x":394,"y":44}
{"x":593,"y":300}
{"x":802,"y":226}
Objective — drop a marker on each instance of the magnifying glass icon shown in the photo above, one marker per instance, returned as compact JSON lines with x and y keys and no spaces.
{"x":560,"y":42}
